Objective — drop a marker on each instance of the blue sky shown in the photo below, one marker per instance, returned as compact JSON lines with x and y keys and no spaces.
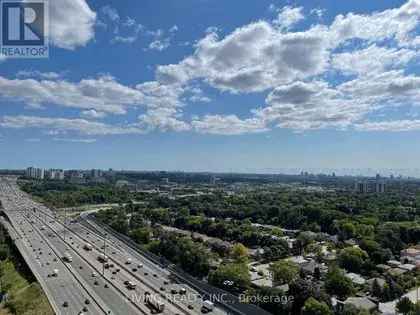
{"x":210,"y":85}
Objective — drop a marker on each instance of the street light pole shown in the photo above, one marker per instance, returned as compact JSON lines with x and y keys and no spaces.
{"x":104,"y":251}
{"x":65,"y":223}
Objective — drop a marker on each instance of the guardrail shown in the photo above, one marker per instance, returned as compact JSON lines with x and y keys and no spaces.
{"x":28,"y":261}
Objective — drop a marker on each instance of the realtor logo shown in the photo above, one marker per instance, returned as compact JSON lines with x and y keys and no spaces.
{"x":24,"y":28}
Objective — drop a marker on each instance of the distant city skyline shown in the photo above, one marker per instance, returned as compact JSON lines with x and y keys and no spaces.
{"x":369,"y":172}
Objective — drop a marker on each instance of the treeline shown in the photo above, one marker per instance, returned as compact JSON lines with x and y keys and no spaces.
{"x":63,"y":194}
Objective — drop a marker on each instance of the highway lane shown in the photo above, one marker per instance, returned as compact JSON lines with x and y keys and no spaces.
{"x":60,"y":289}
{"x":159,"y":277}
{"x":115,"y":302}
{"x":75,"y":244}
{"x":156,"y":274}
{"x":149,"y":278}
{"x":156,"y":279}
{"x":75,"y":296}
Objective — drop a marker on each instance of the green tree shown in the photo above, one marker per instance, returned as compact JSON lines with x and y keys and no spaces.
{"x":405,"y":306}
{"x":338,"y":284}
{"x":313,"y":307}
{"x":240,"y":252}
{"x":141,"y":235}
{"x":347,"y":230}
{"x":233,"y":277}
{"x":352,"y":259}
{"x":284,"y":271}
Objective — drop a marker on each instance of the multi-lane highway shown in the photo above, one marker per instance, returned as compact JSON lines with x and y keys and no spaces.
{"x":65,"y":257}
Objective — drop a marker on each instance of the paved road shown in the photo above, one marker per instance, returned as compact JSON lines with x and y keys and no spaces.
{"x":46,"y":241}
{"x":61,"y":289}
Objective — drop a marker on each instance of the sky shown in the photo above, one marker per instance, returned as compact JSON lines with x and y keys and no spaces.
{"x":216,"y":85}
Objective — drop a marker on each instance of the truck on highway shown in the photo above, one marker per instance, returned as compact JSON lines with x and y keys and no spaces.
{"x":103,"y":258}
{"x":88,"y":247}
{"x":154,"y":302}
{"x":208,"y":306}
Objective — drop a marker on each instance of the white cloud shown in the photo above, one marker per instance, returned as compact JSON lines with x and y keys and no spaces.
{"x":290,"y":67}
{"x":253,"y":58}
{"x":93,"y":114}
{"x":75,"y":140}
{"x":390,"y":88}
{"x":156,"y":95}
{"x":160,"y":44}
{"x":395,"y":126}
{"x":314,"y":105}
{"x":288,"y":17}
{"x":125,"y":31}
{"x":71,"y":23}
{"x":227,"y":125}
{"x":395,"y":23}
{"x":102,"y":94}
{"x":164,"y":119}
{"x":319,"y":13}
{"x":80,"y":126}
{"x":39,"y":74}
{"x":197,"y":95}
{"x":372,"y":60}
{"x":111,"y":13}
{"x":174,"y":29}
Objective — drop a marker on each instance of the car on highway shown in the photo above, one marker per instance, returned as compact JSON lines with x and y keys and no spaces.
{"x":131,"y":285}
{"x":208,"y":306}
{"x":103,"y":258}
{"x":68,"y":258}
{"x":88,"y":247}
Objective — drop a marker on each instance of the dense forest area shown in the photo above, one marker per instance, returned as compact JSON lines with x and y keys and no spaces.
{"x":62,"y":194}
{"x":380,"y":224}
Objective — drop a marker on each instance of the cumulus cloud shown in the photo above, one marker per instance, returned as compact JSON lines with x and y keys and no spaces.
{"x":391,"y":88}
{"x":372,"y":60}
{"x":398,"y":23}
{"x":81,"y":126}
{"x":396,"y":126}
{"x":325,"y":76}
{"x":288,"y":17}
{"x":253,"y":58}
{"x":164,"y":119}
{"x":312,"y":105}
{"x":103,"y":94}
{"x":227,"y":125}
{"x":71,"y":23}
